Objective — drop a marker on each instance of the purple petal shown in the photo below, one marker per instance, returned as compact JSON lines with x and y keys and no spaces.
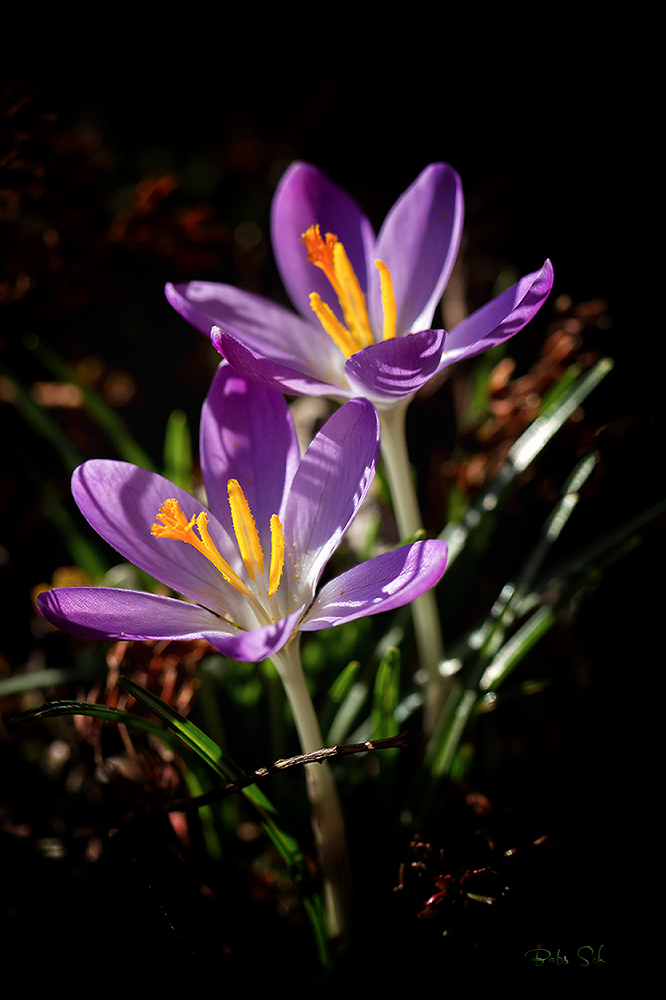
{"x":104,"y":613}
{"x":258,"y":644}
{"x":303,"y":198}
{"x":331,"y":483}
{"x":196,"y":301}
{"x":419,"y":243}
{"x":500,"y":318}
{"x":396,"y":368}
{"x":380,"y":584}
{"x":256,"y":367}
{"x":247,"y":434}
{"x":262,"y":325}
{"x":121,"y":502}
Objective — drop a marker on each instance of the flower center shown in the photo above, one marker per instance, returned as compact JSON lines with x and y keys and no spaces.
{"x":175,"y":525}
{"x":330,"y":256}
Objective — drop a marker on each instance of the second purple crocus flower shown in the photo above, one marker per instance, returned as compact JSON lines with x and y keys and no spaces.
{"x":248,"y":566}
{"x":364,"y":303}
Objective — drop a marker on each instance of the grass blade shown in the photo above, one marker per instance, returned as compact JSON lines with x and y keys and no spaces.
{"x":177,"y":456}
{"x":522,"y":454}
{"x":53,"y":709}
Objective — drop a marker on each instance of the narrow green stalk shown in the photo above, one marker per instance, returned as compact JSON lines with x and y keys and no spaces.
{"x":425,"y":613}
{"x":327,"y":819}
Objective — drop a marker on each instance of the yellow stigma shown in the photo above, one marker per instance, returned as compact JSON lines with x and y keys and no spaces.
{"x":329,"y":255}
{"x":175,"y":525}
{"x":320,"y":253}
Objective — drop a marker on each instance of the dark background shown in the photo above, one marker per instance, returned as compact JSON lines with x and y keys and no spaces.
{"x":117,"y":160}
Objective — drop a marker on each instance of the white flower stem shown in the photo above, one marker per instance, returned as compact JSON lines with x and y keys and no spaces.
{"x":425,"y":613}
{"x":327,"y":818}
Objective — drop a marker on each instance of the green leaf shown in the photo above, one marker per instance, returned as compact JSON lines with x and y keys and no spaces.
{"x":180,"y":729}
{"x":560,"y":387}
{"x":33,"y":679}
{"x":337,"y":693}
{"x":178,"y":451}
{"x":53,"y":709}
{"x":341,"y":686}
{"x":386,"y":695}
{"x":513,"y":651}
{"x":194,"y":737}
{"x":522,"y":453}
{"x":215,"y":757}
{"x":490,"y":636}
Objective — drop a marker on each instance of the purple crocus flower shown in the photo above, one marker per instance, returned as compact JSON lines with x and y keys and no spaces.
{"x":249,"y":565}
{"x":365,"y":303}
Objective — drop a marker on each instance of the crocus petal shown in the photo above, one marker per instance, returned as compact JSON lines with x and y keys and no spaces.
{"x":396,"y":368}
{"x":260,"y":643}
{"x":419,"y":242}
{"x":263,"y":325}
{"x":303,"y":198}
{"x":121,"y":502}
{"x":331,"y":483}
{"x":107,"y":613}
{"x":247,"y":434}
{"x":381,"y":584}
{"x":500,"y":318}
{"x":104,"y":613}
{"x":257,"y":367}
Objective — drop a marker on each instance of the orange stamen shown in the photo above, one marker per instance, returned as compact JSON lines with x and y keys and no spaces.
{"x":175,"y":526}
{"x":388,"y":299}
{"x":245,"y":530}
{"x":332,"y":325}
